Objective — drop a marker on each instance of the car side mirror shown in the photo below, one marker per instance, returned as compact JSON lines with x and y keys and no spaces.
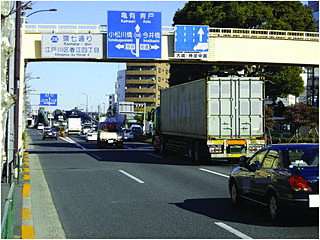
{"x":243,"y":161}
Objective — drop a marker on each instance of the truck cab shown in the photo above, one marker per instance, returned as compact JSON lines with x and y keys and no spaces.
{"x":109,"y":135}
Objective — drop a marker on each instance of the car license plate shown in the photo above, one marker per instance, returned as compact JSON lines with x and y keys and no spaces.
{"x":110,"y":141}
{"x":50,"y":133}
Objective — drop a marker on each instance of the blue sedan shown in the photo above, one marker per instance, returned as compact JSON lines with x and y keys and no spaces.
{"x":282,"y":177}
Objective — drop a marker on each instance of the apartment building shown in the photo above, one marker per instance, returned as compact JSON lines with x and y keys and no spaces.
{"x":143,"y":82}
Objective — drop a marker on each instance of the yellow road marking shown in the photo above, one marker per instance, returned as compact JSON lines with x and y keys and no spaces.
{"x":26,"y":213}
{"x":26,"y":190}
{"x":27,"y":232}
{"x":26,"y":177}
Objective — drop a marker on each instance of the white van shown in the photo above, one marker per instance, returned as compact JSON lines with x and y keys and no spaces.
{"x":40,"y":126}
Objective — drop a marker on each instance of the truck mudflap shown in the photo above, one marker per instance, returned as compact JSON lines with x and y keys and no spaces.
{"x":234,"y":148}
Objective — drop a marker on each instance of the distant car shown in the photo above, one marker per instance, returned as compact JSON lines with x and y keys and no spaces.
{"x":92,"y":135}
{"x":86,"y":128}
{"x":282,"y":177}
{"x":128,"y":135}
{"x":40,"y":126}
{"x":136,"y":129}
{"x":45,"y":129}
{"x":51,"y":133}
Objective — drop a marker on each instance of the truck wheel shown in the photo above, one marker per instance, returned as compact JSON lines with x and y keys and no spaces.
{"x":162,"y":149}
{"x":197,"y":153}
{"x":190,"y":151}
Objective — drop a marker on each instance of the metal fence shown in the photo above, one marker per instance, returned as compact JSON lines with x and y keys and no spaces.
{"x":213,"y":32}
{"x":8,"y":217}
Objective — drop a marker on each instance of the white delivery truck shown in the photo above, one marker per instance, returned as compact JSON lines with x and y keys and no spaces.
{"x":216,"y":118}
{"x":74,"y":126}
{"x":109,"y":133}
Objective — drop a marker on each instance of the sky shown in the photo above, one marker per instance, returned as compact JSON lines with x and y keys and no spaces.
{"x":70,"y":79}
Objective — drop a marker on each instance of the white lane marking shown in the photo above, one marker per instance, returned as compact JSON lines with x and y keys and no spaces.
{"x":232,"y":230}
{"x":67,"y":139}
{"x":220,"y":174}
{"x":154,"y":155}
{"x":95,"y":156}
{"x":130,"y":176}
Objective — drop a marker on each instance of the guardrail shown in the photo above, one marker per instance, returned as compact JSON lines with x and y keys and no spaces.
{"x":8,"y":217}
{"x":213,"y":32}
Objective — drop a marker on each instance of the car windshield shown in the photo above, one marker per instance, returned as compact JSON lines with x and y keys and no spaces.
{"x":308,"y":156}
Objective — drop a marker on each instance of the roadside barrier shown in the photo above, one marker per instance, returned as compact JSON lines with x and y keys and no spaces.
{"x":8,"y":217}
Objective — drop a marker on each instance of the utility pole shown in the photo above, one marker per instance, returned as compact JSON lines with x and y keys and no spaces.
{"x":17,"y":59}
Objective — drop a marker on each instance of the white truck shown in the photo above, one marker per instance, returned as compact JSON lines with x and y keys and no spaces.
{"x":74,"y":126}
{"x":109,"y":133}
{"x":216,"y":118}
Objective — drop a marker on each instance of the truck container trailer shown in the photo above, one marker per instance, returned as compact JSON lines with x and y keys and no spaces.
{"x":216,"y":118}
{"x":74,"y":125}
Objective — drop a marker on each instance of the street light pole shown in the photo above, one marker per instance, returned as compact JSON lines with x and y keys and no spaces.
{"x":49,"y":10}
{"x":87,"y":101}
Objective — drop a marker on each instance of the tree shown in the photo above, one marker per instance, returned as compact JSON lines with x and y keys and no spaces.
{"x":299,"y":115}
{"x":281,"y":15}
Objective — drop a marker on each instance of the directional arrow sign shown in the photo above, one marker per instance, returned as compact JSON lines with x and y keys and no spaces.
{"x":189,"y":38}
{"x":48,"y":99}
{"x":134,"y":34}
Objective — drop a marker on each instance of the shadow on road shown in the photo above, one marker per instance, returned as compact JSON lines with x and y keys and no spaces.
{"x":250,"y":213}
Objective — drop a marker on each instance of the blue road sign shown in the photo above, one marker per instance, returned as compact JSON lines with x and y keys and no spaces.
{"x":48,"y":99}
{"x":134,"y":34}
{"x":190,"y":38}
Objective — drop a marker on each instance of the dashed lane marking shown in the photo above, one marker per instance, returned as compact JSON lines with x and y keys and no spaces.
{"x":130,"y":176}
{"x":232,"y":230}
{"x":154,"y":155}
{"x":216,"y":173}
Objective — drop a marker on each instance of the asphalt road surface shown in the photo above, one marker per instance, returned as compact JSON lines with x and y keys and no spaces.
{"x":136,"y":193}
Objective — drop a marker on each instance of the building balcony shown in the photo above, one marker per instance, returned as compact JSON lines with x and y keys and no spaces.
{"x":141,"y":90}
{"x":137,"y":81}
{"x":142,"y":72}
{"x":140,"y":100}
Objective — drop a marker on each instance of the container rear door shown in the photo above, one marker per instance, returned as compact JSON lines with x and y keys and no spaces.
{"x":235,"y":107}
{"x":220,"y":107}
{"x":250,"y":110}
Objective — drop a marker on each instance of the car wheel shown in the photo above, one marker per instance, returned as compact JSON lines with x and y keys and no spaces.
{"x":234,"y":194}
{"x":274,"y":209}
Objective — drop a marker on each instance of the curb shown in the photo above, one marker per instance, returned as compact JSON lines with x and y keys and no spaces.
{"x":27,"y":230}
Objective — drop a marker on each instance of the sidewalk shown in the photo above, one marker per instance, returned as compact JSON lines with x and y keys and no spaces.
{"x":35,"y":215}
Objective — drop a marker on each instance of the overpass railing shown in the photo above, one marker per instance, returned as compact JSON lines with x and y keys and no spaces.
{"x":213,"y":32}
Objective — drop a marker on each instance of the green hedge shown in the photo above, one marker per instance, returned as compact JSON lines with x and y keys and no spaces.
{"x":300,"y":140}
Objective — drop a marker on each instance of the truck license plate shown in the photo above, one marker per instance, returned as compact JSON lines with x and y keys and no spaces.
{"x":110,"y":141}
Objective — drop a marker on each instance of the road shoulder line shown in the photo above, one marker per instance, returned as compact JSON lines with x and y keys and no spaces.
{"x":45,"y":218}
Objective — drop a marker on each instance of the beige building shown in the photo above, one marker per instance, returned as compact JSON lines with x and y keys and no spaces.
{"x":144,"y":82}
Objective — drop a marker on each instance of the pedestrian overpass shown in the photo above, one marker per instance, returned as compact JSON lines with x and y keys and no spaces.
{"x":227,"y":46}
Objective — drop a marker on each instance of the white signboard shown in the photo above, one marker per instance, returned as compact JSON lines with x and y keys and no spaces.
{"x":126,"y":107}
{"x":71,"y":46}
{"x":191,"y":55}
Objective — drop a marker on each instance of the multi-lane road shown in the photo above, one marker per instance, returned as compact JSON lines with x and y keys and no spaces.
{"x":135,"y":193}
